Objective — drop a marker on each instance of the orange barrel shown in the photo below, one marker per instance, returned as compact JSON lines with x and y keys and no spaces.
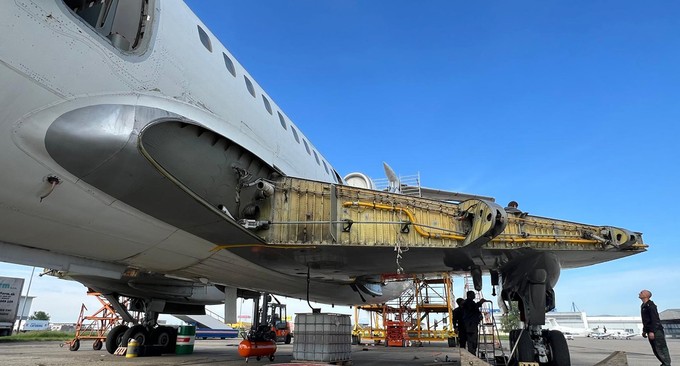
{"x":256,"y":349}
{"x":185,"y":340}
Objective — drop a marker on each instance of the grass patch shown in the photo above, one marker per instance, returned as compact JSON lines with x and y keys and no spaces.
{"x":39,"y":336}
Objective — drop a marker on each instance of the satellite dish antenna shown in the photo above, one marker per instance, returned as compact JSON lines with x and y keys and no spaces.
{"x":394,"y":184}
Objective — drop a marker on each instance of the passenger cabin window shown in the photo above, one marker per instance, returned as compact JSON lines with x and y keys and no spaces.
{"x":249,"y":85}
{"x":307,"y":147}
{"x":205,"y":39}
{"x":267,"y":106}
{"x":229,"y":64}
{"x":283,"y":121}
{"x":295,"y":134}
{"x":123,"y":23}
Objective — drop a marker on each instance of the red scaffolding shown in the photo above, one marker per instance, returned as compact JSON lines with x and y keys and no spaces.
{"x":95,"y":326}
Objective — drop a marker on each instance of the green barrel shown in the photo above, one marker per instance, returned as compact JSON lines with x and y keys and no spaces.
{"x":185,"y":340}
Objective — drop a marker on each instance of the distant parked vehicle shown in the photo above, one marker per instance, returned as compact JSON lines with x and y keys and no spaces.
{"x":205,"y":333}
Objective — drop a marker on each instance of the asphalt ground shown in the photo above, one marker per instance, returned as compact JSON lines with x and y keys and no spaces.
{"x":584,"y":351}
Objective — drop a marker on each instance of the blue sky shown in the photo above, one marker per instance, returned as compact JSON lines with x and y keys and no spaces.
{"x":569,"y":108}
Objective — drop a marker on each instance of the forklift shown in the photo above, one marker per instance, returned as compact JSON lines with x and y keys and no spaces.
{"x":271,"y":325}
{"x":278,"y":319}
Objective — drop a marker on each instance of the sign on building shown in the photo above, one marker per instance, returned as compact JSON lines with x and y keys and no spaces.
{"x":10,"y":292}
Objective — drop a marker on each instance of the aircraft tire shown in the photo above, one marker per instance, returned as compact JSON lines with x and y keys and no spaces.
{"x":137,"y":332}
{"x":115,"y":337}
{"x":525,"y":347}
{"x":559,"y":348}
{"x":165,"y":337}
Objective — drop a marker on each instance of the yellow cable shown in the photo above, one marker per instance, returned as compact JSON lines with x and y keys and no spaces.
{"x":410,"y":215}
{"x":458,"y":237}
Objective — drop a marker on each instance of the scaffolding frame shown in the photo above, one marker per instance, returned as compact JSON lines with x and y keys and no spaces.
{"x":95,"y":326}
{"x":412,"y":318}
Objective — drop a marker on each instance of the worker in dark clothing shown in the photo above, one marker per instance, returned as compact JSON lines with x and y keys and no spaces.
{"x":458,"y":323}
{"x":471,"y":317}
{"x":652,"y":328}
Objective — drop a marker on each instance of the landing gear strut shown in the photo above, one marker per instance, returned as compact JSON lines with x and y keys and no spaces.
{"x":529,"y":280}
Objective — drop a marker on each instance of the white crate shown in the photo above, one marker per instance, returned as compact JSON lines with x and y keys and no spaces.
{"x":322,"y":337}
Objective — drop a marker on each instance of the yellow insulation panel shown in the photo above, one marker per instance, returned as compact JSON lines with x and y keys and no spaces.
{"x":316,"y":213}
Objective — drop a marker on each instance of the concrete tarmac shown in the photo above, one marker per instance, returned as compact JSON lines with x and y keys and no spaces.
{"x":584,"y":351}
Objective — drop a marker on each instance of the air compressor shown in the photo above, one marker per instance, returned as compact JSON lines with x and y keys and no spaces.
{"x":257,"y":349}
{"x":261,"y":339}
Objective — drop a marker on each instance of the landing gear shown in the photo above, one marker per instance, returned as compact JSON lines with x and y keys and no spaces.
{"x":137,"y":332}
{"x":558,"y":348}
{"x":146,"y":332}
{"x":529,"y":280}
{"x":521,"y":342}
{"x":165,"y":337}
{"x":115,"y":337}
{"x":548,"y":348}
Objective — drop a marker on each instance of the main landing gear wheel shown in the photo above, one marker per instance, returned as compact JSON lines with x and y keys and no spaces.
{"x":115,"y":338}
{"x":165,"y":337}
{"x":137,"y":332}
{"x":524,"y":351}
{"x":559,"y":349}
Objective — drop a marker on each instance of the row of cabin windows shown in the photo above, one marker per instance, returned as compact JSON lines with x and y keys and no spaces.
{"x":205,"y":40}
